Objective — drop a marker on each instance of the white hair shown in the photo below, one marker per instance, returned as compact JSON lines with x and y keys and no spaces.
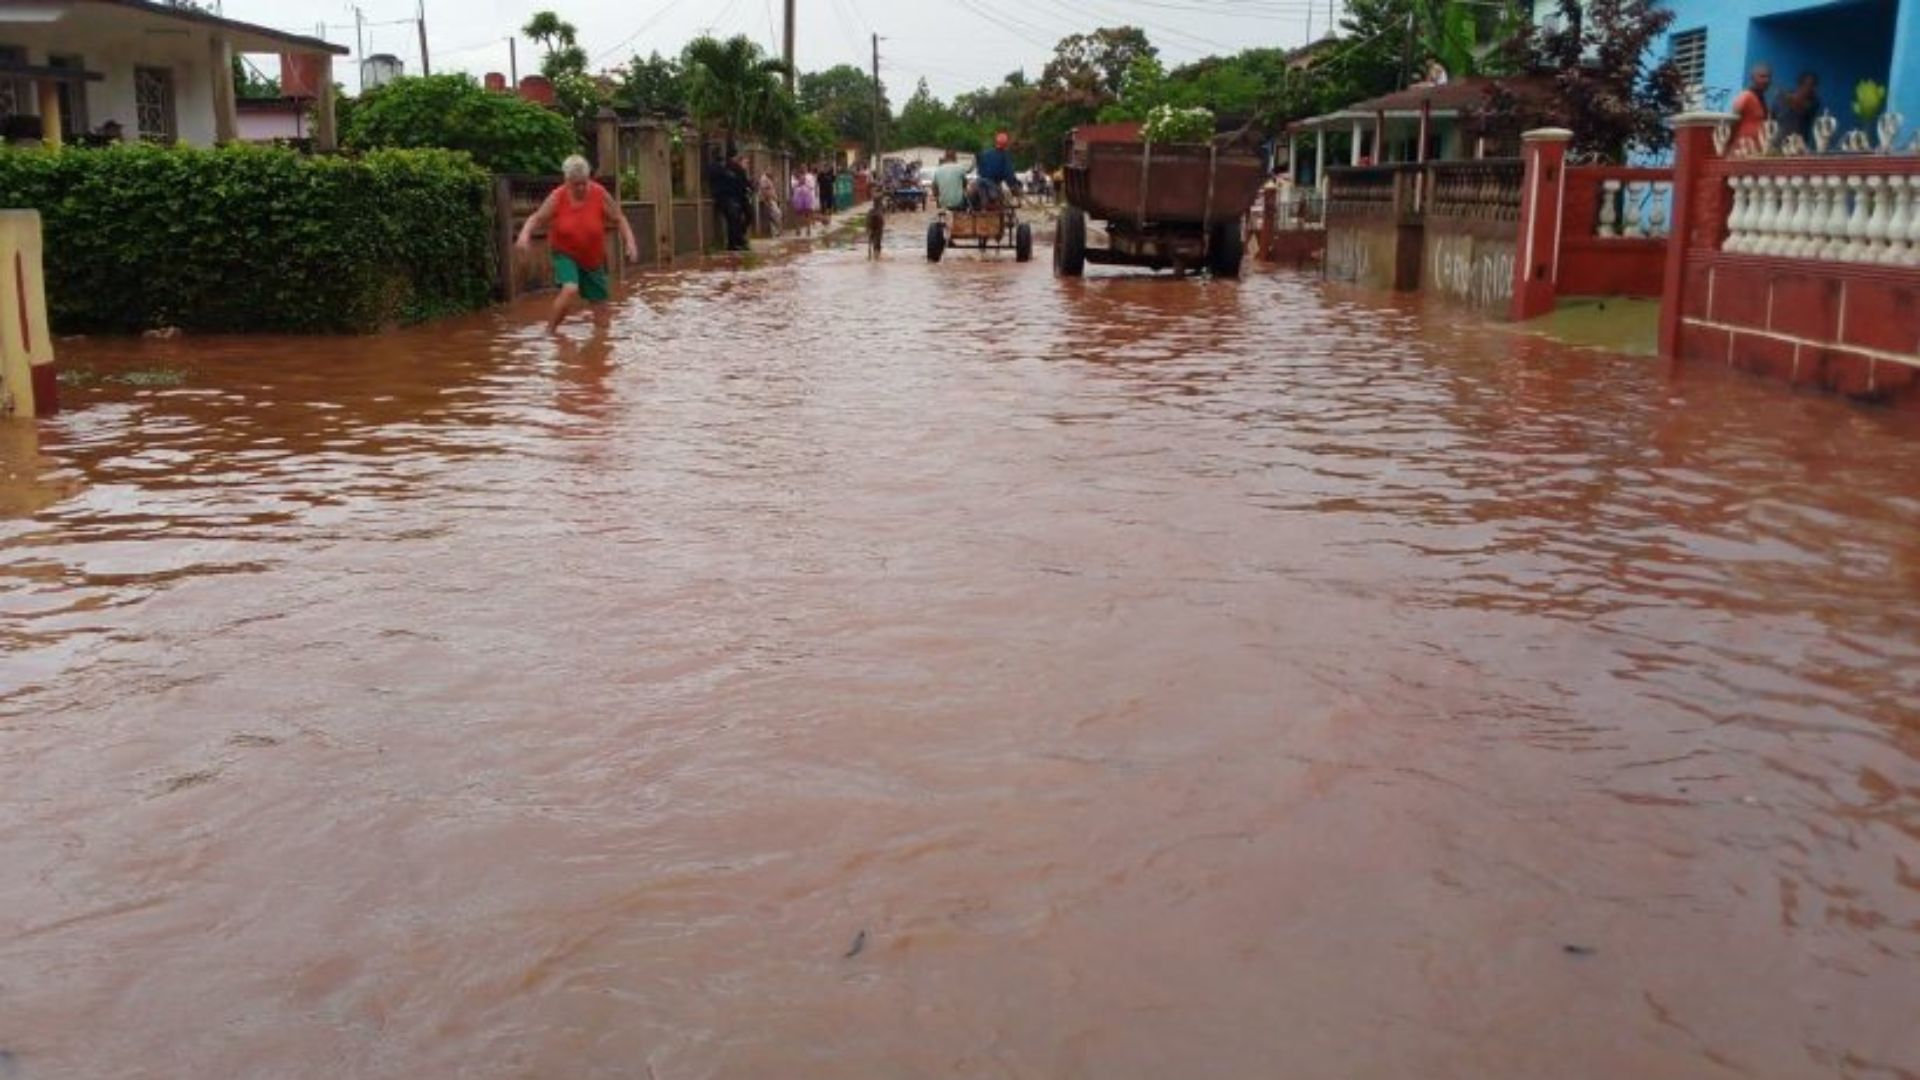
{"x":575,"y":168}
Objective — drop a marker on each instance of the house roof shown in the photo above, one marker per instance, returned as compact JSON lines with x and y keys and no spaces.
{"x":1446,"y":101}
{"x":262,"y":34}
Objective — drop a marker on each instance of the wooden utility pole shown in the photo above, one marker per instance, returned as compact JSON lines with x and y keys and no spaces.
{"x":793,"y":73}
{"x":425,"y":67}
{"x":874,"y":157}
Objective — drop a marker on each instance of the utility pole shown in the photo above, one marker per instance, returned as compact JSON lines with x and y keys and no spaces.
{"x":425,"y":68}
{"x":513,"y":63}
{"x":360,"y":40}
{"x":786,"y":54}
{"x":877,"y":106}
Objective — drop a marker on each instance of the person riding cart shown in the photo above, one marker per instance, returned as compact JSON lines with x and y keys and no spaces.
{"x":995,"y":175}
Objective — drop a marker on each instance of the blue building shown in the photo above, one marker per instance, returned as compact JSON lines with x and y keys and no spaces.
{"x":1716,"y":43}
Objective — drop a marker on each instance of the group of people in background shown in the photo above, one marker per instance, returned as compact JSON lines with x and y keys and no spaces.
{"x":1794,"y":110}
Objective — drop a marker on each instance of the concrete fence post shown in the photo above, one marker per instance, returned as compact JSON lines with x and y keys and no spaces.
{"x":1696,"y":217}
{"x":27,"y":384}
{"x":1543,"y":201}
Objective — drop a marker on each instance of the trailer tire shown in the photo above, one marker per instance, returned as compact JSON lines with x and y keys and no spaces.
{"x":936,"y":241}
{"x":1023,"y":243}
{"x":1225,"y":248}
{"x":1070,"y":243}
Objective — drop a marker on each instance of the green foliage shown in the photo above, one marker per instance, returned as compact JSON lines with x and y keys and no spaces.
{"x":927,"y":121}
{"x":250,"y":84}
{"x":501,"y":131}
{"x":254,"y":239}
{"x":1869,"y":99}
{"x":1599,"y":77}
{"x":843,"y":96}
{"x":734,"y":88}
{"x":576,"y":94}
{"x":1168,"y":124}
{"x":655,"y":86}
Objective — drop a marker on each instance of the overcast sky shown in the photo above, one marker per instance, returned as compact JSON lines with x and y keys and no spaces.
{"x":956,"y":45}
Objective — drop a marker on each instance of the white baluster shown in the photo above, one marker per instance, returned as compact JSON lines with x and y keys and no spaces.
{"x":1773,"y":196}
{"x":1636,"y":199}
{"x":1879,"y":221}
{"x":1742,"y":214}
{"x":1794,"y":229}
{"x":1899,"y":222}
{"x":1657,"y":213}
{"x":1831,"y":230}
{"x":1857,"y":244}
{"x":1609,"y":209}
{"x":1912,"y":217}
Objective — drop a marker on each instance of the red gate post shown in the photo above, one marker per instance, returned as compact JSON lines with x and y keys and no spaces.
{"x":1543,"y":200}
{"x":1698,"y":217}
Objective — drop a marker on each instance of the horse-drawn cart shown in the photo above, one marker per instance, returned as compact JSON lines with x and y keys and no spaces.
{"x":1166,"y":206}
{"x":997,"y":228}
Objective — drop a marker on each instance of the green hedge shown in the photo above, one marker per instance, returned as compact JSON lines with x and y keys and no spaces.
{"x":249,"y":238}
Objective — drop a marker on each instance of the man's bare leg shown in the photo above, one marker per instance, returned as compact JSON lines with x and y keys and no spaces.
{"x":562,"y":304}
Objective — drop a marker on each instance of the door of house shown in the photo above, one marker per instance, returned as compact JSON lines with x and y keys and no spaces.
{"x":153,"y":100}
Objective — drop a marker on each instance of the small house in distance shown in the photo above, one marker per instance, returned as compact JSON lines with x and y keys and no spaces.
{"x":132,"y":69}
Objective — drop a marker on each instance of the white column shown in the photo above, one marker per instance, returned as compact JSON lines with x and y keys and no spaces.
{"x":226,"y":113}
{"x":1354,"y":153}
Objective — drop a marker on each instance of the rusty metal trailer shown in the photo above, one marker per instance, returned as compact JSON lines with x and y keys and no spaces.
{"x":1168,"y":207}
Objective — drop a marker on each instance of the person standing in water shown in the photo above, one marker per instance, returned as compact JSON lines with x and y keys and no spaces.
{"x":575,"y":217}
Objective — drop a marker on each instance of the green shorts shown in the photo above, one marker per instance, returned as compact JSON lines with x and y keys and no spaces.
{"x":592,"y":283}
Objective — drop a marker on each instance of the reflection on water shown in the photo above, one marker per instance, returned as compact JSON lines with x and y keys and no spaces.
{"x":843,"y":669}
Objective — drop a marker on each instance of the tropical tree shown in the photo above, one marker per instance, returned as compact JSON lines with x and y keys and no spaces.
{"x":656,"y":86}
{"x":733,"y":88}
{"x":925,"y":120}
{"x":1600,"y":75}
{"x":844,"y":96}
{"x":575,"y":93}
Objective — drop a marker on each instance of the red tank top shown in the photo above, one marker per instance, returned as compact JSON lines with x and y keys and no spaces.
{"x":579,"y":228}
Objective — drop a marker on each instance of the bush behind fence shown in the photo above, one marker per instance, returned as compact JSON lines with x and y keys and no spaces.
{"x":254,"y":239}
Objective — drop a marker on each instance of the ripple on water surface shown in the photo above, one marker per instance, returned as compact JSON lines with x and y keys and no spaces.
{"x":837,"y":668}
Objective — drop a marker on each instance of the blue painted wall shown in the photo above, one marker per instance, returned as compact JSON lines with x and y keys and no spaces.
{"x":1843,"y":41}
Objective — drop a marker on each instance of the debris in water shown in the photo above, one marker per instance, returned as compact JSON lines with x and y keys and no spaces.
{"x":1579,"y":950}
{"x":859,"y":943}
{"x":9,"y":1065}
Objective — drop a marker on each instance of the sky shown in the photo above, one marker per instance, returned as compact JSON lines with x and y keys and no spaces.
{"x":956,"y":45}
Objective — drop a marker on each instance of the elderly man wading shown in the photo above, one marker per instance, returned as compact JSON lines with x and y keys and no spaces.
{"x":576,"y":219}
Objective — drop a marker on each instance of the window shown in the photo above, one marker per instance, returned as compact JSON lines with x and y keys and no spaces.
{"x":16,"y":95}
{"x":153,"y":101}
{"x":73,"y":96}
{"x":1690,"y":56}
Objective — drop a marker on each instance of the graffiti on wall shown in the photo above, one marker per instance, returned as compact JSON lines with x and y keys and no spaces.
{"x":1478,"y":273}
{"x":1349,"y":255}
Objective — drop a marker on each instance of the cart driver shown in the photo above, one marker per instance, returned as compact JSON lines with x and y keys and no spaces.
{"x":995,"y":170}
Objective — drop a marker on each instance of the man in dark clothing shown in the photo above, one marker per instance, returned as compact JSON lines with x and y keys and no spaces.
{"x":1798,"y":108}
{"x":826,"y":179}
{"x":743,"y":192}
{"x":727,"y":182}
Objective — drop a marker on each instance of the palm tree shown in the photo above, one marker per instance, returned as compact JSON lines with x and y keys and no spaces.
{"x":734,"y":87}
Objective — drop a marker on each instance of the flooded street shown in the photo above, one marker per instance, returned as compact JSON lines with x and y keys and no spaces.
{"x":843,"y":669}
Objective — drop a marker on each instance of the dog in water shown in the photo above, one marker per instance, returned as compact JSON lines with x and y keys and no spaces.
{"x":876,"y":230}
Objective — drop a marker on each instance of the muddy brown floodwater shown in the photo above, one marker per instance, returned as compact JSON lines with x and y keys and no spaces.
{"x":839,"y":669}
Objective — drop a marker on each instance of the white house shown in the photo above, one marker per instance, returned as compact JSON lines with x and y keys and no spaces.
{"x":145,"y":70}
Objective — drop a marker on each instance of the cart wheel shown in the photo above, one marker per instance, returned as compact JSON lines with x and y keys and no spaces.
{"x":1023,"y":243}
{"x":1070,"y":243}
{"x":936,"y":241}
{"x":1224,"y":249}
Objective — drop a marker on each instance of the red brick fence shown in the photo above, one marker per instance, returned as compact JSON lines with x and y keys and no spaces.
{"x":1800,"y":268}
